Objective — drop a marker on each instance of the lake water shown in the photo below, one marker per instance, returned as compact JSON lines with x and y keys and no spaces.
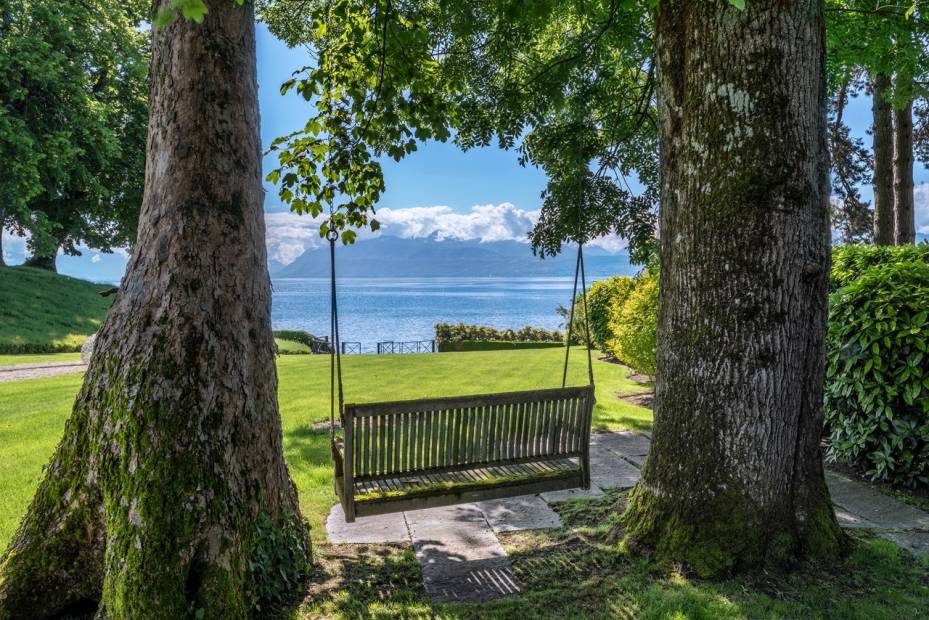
{"x":405,"y":309}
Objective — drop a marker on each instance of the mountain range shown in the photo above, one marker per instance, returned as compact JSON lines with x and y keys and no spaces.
{"x":393,"y":257}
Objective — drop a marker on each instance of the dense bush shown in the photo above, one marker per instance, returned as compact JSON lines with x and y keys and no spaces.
{"x":877,"y":376}
{"x":632,"y":325}
{"x":493,"y":345}
{"x":448,"y":332}
{"x":295,"y":335}
{"x":600,"y":297}
{"x":850,"y":261}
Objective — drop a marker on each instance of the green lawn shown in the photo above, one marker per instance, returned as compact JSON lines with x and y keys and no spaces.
{"x":38,"y":358}
{"x":32,"y":413}
{"x":43,"y":311}
{"x":578,"y":571}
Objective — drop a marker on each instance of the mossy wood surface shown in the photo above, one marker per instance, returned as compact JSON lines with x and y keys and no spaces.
{"x":405,"y":455}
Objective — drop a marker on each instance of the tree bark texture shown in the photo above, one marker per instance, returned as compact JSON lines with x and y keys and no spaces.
{"x":734,"y":478}
{"x":904,"y":210}
{"x":883,"y":183}
{"x":172,"y":461}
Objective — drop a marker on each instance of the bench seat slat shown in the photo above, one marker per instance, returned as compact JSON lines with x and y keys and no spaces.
{"x":432,"y":452}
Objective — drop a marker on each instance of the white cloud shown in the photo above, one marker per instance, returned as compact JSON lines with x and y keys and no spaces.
{"x":289,"y":235}
{"x":95,"y":258}
{"x":14,"y":247}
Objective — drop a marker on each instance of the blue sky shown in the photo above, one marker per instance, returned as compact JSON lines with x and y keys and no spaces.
{"x":483,"y":193}
{"x":437,"y":174}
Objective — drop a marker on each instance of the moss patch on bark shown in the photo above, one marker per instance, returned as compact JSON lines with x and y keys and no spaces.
{"x":727,"y":534}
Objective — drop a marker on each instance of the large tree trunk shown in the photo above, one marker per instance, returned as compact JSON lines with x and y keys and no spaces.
{"x":904,"y":212}
{"x":170,"y":476}
{"x":43,"y":261}
{"x":883,"y":182}
{"x":734,"y":478}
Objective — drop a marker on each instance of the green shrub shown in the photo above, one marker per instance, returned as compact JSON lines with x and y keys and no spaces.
{"x":632,"y":325}
{"x":493,"y":345}
{"x":877,"y":374}
{"x":295,"y":335}
{"x":601,"y":295}
{"x":447,"y":332}
{"x":850,"y":261}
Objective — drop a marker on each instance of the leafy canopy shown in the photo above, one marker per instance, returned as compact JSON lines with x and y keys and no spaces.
{"x":569,"y":85}
{"x":73,"y":119}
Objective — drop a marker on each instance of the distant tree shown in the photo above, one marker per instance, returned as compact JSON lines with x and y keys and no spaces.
{"x":851,"y":168}
{"x":168,"y":495}
{"x":73,"y":114}
{"x":890,"y":43}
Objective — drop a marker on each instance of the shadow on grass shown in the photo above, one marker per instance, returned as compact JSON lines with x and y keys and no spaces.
{"x":363,"y":581}
{"x":306,"y":445}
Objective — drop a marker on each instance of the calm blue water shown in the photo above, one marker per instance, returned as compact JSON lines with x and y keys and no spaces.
{"x":378,"y":309}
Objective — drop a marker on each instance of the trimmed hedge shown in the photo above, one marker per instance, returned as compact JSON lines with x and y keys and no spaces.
{"x":295,"y":335}
{"x":493,"y":345}
{"x":448,"y":332}
{"x":849,"y":262}
{"x":877,"y":374}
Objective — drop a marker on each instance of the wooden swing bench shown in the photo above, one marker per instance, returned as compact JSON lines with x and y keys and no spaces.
{"x":407,"y":455}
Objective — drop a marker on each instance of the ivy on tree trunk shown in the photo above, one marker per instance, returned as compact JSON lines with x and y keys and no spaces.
{"x":734,"y":478}
{"x":170,"y":476}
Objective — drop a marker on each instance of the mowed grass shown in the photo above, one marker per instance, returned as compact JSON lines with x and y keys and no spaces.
{"x":578,"y":571}
{"x":39,"y":358}
{"x":33,"y":412}
{"x":44,"y":311}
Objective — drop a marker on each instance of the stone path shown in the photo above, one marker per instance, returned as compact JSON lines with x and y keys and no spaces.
{"x":17,"y":372}
{"x":462,"y":559}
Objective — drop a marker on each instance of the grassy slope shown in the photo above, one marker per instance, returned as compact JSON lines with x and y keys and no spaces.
{"x":47,"y":311}
{"x":32,"y":413}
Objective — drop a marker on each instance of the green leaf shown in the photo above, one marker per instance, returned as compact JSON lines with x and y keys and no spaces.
{"x":194,"y":10}
{"x":164,"y":18}
{"x":739,"y":4}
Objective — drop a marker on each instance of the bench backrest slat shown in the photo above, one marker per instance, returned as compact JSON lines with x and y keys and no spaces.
{"x":419,"y":435}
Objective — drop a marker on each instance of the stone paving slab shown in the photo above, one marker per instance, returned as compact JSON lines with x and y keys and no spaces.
{"x":626,"y":443}
{"x":608,"y":470}
{"x":560,"y":496}
{"x":527,"y":512}
{"x":862,"y":501}
{"x":366,"y":530}
{"x":850,"y":520}
{"x":475,"y":581}
{"x":461,"y":557}
{"x":916,"y":543}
